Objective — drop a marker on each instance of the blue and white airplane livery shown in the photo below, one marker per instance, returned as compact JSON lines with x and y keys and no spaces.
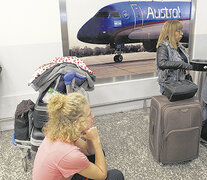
{"x":132,"y":22}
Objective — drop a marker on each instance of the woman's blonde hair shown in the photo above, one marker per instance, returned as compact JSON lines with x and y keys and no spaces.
{"x":168,"y":32}
{"x":66,"y":117}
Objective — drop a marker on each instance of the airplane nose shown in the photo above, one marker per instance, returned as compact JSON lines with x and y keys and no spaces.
{"x":93,"y":31}
{"x":84,"y":35}
{"x":89,"y":31}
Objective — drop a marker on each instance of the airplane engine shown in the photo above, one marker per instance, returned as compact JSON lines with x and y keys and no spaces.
{"x":150,"y":45}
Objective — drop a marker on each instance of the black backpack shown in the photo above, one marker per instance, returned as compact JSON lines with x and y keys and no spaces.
{"x":21,"y":121}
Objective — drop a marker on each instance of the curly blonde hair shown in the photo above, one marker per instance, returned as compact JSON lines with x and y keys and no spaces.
{"x":168,"y":32}
{"x":66,"y":117}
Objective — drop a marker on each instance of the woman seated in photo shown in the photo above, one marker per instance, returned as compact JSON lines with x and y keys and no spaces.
{"x":70,"y":142}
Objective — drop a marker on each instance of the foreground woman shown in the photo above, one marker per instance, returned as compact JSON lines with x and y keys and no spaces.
{"x":63,"y":152}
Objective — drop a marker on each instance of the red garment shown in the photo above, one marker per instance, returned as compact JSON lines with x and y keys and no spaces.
{"x":59,"y":60}
{"x":55,"y":160}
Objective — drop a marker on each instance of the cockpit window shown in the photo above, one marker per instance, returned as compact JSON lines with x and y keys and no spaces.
{"x":115,"y":14}
{"x":102,"y":14}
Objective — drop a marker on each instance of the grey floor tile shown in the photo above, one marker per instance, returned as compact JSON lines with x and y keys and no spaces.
{"x":124,"y":138}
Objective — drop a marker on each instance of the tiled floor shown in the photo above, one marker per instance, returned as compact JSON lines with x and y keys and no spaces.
{"x":124,"y":137}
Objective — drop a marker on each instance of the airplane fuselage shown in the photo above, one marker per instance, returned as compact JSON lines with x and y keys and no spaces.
{"x":133,"y":21}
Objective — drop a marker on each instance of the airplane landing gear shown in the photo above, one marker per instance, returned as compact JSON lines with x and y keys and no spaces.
{"x":118,"y":58}
{"x":118,"y":50}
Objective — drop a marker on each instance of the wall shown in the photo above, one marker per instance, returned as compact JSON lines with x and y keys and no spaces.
{"x":30,"y":36}
{"x":198,"y":40}
{"x":199,"y":45}
{"x":122,"y":96}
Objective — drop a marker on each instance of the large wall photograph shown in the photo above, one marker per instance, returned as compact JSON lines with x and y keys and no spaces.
{"x":118,"y":38}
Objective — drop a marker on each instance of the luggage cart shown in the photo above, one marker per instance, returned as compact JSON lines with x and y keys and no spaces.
{"x":26,"y":146}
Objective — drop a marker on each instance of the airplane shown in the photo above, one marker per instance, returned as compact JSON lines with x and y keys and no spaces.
{"x":133,"y":22}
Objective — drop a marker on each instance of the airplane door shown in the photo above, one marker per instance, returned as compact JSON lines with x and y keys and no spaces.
{"x":138,"y":15}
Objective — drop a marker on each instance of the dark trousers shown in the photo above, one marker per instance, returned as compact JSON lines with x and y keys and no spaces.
{"x":204,"y":113}
{"x":112,"y":174}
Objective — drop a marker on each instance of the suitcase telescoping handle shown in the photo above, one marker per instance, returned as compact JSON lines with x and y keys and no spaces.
{"x":69,"y":78}
{"x":177,"y":74}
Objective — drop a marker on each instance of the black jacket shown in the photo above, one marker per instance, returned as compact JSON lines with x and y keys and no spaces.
{"x":164,"y":62}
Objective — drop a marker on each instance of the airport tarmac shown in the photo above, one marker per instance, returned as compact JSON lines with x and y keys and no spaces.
{"x":133,"y":64}
{"x":102,"y":59}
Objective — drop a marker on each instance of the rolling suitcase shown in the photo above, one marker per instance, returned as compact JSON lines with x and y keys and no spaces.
{"x":40,"y":116}
{"x":174,"y":130}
